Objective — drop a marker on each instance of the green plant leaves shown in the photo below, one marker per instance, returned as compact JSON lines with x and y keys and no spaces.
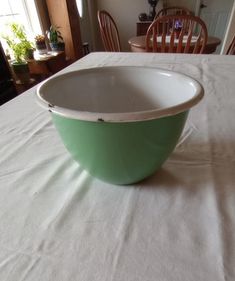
{"x":54,"y":35}
{"x":17,"y":41}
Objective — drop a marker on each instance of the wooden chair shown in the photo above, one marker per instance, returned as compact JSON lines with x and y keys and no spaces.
{"x":177,"y":34}
{"x":231,"y":48}
{"x":109,"y":32}
{"x":173,"y":11}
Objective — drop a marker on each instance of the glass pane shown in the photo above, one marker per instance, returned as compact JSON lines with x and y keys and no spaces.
{"x":20,"y":11}
{"x":5,"y":8}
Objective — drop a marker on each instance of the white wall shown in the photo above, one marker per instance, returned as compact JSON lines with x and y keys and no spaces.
{"x":190,"y":4}
{"x":125,"y":13}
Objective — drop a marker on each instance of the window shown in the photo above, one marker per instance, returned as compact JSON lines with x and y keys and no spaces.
{"x":80,"y":7}
{"x":20,"y":11}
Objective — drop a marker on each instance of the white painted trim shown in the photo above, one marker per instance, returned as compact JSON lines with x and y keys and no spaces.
{"x":229,"y":33}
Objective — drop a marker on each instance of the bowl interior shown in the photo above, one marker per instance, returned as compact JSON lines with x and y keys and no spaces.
{"x":120,"y":90}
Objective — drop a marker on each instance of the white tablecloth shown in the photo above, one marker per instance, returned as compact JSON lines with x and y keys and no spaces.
{"x":59,"y":223}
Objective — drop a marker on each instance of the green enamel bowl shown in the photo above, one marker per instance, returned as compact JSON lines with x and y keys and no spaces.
{"x":120,"y":123}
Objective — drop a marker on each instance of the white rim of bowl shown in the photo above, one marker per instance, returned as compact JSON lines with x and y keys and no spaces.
{"x":120,"y":117}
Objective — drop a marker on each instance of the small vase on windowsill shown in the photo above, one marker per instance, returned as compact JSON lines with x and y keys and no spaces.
{"x":40,"y":44}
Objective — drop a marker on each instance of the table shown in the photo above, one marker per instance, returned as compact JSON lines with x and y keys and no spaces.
{"x":42,"y":67}
{"x":137,"y":44}
{"x":142,"y":27}
{"x":22,"y":87}
{"x":59,"y":223}
{"x":48,"y":64}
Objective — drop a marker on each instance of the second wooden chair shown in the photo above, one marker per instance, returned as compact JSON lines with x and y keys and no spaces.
{"x":109,"y":32}
{"x":177,"y":34}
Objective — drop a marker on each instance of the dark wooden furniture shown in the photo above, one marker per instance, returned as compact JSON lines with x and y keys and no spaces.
{"x":7,"y":86}
{"x":142,"y":27}
{"x":109,"y":32}
{"x":22,"y":87}
{"x":42,"y":67}
{"x":137,"y":44}
{"x":47,"y":65}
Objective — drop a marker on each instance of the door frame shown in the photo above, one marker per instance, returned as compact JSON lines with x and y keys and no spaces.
{"x":197,"y":7}
{"x":227,"y":37}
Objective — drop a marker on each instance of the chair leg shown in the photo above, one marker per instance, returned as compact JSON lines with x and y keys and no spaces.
{"x":85,"y":47}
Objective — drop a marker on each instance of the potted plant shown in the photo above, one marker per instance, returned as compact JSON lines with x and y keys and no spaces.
{"x":40,"y":43}
{"x":55,"y":39}
{"x":21,"y":48}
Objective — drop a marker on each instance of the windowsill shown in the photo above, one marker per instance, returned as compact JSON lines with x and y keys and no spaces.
{"x":48,"y":55}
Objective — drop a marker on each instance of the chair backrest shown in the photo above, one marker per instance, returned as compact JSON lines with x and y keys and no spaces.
{"x":231,"y":48}
{"x":177,"y":34}
{"x":173,"y":11}
{"x":109,"y":32}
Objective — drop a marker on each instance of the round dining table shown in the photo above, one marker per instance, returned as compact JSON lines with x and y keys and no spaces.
{"x":137,"y":44}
